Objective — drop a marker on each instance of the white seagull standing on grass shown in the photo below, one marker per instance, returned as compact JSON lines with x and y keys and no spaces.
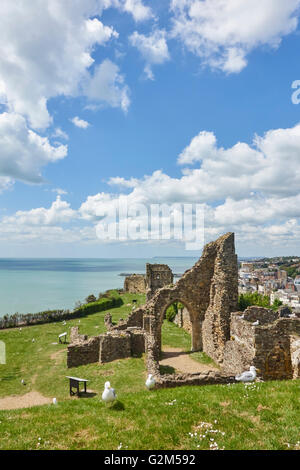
{"x":150,"y":382}
{"x":248,"y":376}
{"x":109,"y":394}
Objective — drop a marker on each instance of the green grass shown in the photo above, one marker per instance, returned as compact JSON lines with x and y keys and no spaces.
{"x":262,"y":416}
{"x":176,"y":337}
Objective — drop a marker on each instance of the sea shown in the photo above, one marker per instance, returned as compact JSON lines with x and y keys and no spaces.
{"x":34,"y":285}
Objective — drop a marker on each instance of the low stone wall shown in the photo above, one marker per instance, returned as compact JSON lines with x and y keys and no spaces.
{"x":82,"y":353}
{"x":209,"y":378}
{"x":135,"y":284}
{"x":114,"y":345}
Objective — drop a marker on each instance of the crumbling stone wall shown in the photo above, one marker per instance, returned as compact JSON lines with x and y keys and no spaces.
{"x":272,"y":346}
{"x":75,"y":337}
{"x":157,"y":276}
{"x":85,"y":352}
{"x":135,"y":284}
{"x":182,"y":319}
{"x":106,"y":347}
{"x":209,"y":291}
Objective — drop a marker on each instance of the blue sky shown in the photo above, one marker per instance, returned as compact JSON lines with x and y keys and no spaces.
{"x":147,"y":82}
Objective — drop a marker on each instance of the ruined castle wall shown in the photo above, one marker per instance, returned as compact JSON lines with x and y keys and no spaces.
{"x":157,"y":276}
{"x":273,"y":346}
{"x":85,"y":352}
{"x":223,"y":298}
{"x":183,"y":320}
{"x":135,"y":284}
{"x":114,"y":346}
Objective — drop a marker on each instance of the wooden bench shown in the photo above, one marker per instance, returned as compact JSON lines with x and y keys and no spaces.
{"x":74,"y":383}
{"x":63,"y":335}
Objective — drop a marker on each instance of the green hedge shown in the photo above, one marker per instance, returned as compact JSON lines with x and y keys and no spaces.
{"x":114,"y":300}
{"x":110,"y":300}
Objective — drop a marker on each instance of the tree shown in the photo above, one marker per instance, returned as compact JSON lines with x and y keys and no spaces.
{"x":90,"y":299}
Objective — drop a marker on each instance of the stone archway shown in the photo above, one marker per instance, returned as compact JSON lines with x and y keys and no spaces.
{"x":196,"y":324}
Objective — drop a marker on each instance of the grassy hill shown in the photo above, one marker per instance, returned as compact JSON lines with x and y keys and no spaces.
{"x":256,"y":416}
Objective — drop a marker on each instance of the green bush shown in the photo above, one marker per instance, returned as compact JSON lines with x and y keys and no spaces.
{"x":114,"y":300}
{"x":254,"y":298}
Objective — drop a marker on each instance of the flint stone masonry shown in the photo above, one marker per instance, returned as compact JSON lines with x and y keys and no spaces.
{"x":75,"y":337}
{"x":108,"y":321}
{"x":273,"y":346}
{"x":82,"y":353}
{"x":183,"y":320}
{"x":135,"y":284}
{"x":106,"y":347}
{"x":157,"y":276}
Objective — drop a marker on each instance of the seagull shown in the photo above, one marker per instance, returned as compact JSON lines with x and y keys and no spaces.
{"x":23,"y":382}
{"x":109,"y":394}
{"x":248,"y":376}
{"x":33,"y":340}
{"x":256,"y":323}
{"x":54,"y":401}
{"x":150,"y":382}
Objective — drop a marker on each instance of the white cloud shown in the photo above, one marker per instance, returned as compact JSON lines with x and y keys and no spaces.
{"x":153,"y":48}
{"x":80,"y":122}
{"x":60,"y":134}
{"x":60,"y":212}
{"x":23,"y":153}
{"x":139,"y":11}
{"x":107,"y":86}
{"x":48,"y":53}
{"x":223,"y":32}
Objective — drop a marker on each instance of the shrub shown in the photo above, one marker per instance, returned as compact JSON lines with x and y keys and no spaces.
{"x":11,"y":321}
{"x":254,"y":298}
{"x":171,"y":312}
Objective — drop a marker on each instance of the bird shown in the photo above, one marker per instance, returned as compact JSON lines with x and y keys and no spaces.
{"x":248,"y":376}
{"x":23,"y":382}
{"x":54,"y":401}
{"x":109,"y":394}
{"x":150,"y":382}
{"x":241,"y":317}
{"x":33,"y":340}
{"x":256,"y":323}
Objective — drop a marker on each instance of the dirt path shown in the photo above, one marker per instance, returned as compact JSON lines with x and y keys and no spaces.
{"x":14,"y":402}
{"x":182,"y":361}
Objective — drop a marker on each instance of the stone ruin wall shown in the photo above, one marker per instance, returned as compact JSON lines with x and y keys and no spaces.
{"x":157,"y":276}
{"x":106,"y":347}
{"x":273,"y":346}
{"x":135,"y":284}
{"x":183,"y":320}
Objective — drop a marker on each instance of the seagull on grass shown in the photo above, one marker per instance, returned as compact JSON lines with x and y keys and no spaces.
{"x":150,"y":382}
{"x":109,"y":394}
{"x":248,"y":376}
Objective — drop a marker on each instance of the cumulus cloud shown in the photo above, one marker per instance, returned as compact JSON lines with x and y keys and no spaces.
{"x":23,"y":153}
{"x":80,"y":122}
{"x":107,"y":86}
{"x":60,"y":212}
{"x":252,"y":190}
{"x":223,"y":32}
{"x":46,"y":50}
{"x":139,"y":11}
{"x":153,"y":48}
